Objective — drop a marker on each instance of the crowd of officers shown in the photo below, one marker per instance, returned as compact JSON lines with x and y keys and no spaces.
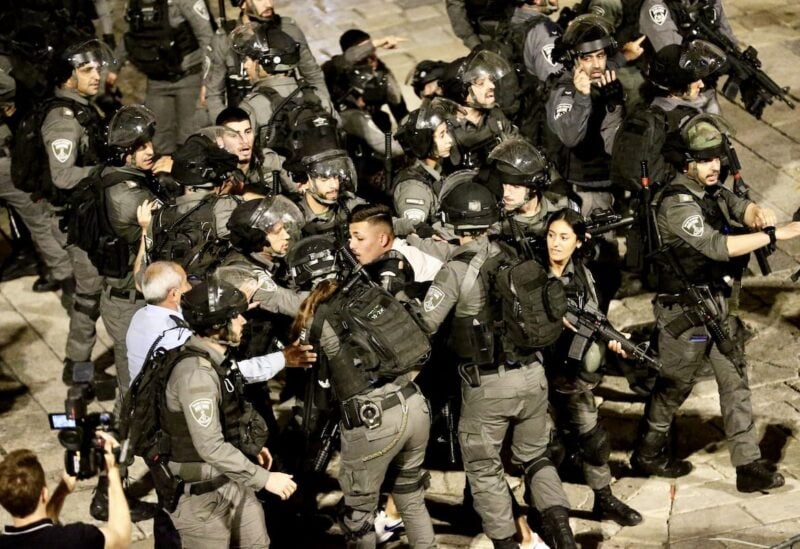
{"x":242,"y":241}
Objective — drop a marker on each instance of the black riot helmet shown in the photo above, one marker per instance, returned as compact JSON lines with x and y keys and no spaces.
{"x":371,"y":85}
{"x":312,"y":260}
{"x":515,"y":161}
{"x":587,"y":33}
{"x":211,"y":305}
{"x":201,"y":162}
{"x":463,"y":72}
{"x":677,"y":65}
{"x":425,"y":72}
{"x":252,"y":220}
{"x":91,"y":52}
{"x":131,"y":127}
{"x":415,"y":133}
{"x":467,"y":207}
{"x":275,"y":51}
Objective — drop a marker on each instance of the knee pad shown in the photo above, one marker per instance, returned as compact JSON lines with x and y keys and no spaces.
{"x":411,"y":480}
{"x":535,"y":465}
{"x":88,"y":304}
{"x":596,"y":446}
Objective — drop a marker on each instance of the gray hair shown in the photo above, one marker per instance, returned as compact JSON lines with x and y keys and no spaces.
{"x":159,"y":278}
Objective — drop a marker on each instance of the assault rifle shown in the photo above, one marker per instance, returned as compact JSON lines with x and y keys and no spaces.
{"x":744,"y":75}
{"x":329,"y":436}
{"x":592,"y":324}
{"x":603,"y":221}
{"x":741,"y":190}
{"x":356,"y":270}
{"x":699,"y":308}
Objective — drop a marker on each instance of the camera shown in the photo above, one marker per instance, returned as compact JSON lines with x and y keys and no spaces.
{"x":83,"y":456}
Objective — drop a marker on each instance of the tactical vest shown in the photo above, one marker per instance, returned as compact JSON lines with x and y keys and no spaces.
{"x":241,"y":425}
{"x":154,"y":47}
{"x":699,"y":268}
{"x":475,"y":143}
{"x":588,"y":160}
{"x":484,"y":13}
{"x":417,"y":172}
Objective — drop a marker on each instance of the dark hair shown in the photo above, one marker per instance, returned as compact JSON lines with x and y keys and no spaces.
{"x":21,"y":483}
{"x":374,"y":214}
{"x":571,"y":218}
{"x":231,"y":114}
{"x":352,"y":37}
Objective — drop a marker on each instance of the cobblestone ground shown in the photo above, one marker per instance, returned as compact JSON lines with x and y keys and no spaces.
{"x":702,"y":510}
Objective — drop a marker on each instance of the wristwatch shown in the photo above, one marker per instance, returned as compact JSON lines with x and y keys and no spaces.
{"x":770,"y":231}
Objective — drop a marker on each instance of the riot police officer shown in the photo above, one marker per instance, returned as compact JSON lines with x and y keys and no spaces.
{"x":169,"y":42}
{"x":500,"y":389}
{"x":585,"y":108}
{"x":214,"y":433}
{"x":661,"y":24}
{"x":425,"y":136}
{"x":425,"y":78}
{"x":73,"y":140}
{"x":693,"y":215}
{"x":476,"y":21}
{"x":472,"y":82}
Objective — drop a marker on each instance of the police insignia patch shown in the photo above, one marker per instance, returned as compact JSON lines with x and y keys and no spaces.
{"x":693,"y":226}
{"x":200,"y":9}
{"x":432,"y":299}
{"x":658,"y":14}
{"x":562,"y":109}
{"x":547,"y":51}
{"x":202,"y":411}
{"x":61,"y":148}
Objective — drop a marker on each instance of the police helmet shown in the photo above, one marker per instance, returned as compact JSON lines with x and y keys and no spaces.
{"x":587,"y":33}
{"x":274,"y":50}
{"x":467,"y":206}
{"x":330,"y":164}
{"x":250,"y":222}
{"x":425,"y":72}
{"x":703,"y":137}
{"x":516,"y":162}
{"x":312,"y":260}
{"x":312,"y":133}
{"x":131,"y":126}
{"x":676,"y":66}
{"x":211,"y":305}
{"x":201,"y":163}
{"x":372,"y":85}
{"x":461,"y":73}
{"x":91,"y":52}
{"x":415,"y":133}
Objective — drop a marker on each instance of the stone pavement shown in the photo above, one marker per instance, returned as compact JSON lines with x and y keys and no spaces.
{"x":702,"y":510}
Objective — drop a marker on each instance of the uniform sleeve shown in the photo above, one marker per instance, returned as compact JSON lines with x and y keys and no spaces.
{"x":439,"y":249}
{"x":681,"y":217}
{"x":196,"y":13}
{"x":223,"y":209}
{"x":538,"y":53}
{"x":122,"y":204}
{"x":609,"y":127}
{"x":197,"y":388}
{"x":308,"y":66}
{"x":457,"y":12}
{"x":413,"y":200}
{"x":215,"y":76}
{"x":725,"y":24}
{"x":737,"y":206}
{"x":442,"y":296}
{"x":360,"y":124}
{"x":657,"y":23}
{"x":568,"y":114}
{"x":62,"y":136}
{"x":280,"y":300}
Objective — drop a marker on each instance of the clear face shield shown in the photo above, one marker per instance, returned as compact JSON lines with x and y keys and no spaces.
{"x":94,"y":53}
{"x":325,"y":167}
{"x":483,"y":72}
{"x":131,"y":124}
{"x":255,"y":284}
{"x":701,"y":58}
{"x":281,"y":220}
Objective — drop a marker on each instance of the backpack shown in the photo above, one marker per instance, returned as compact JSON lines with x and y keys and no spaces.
{"x":154,"y":47}
{"x":377,"y":329}
{"x":89,"y":227}
{"x":30,"y":166}
{"x":639,"y":139}
{"x":140,"y":415}
{"x":188,"y":238}
{"x":532,"y":304}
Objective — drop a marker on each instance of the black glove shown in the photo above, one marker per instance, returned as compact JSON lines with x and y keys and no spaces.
{"x":612,"y":95}
{"x":424,"y":230}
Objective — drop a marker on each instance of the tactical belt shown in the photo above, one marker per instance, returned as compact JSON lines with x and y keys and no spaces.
{"x":204,"y":486}
{"x":351,"y":408}
{"x":508,"y":366}
{"x":127,"y":295}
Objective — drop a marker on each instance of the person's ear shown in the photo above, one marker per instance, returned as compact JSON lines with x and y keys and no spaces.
{"x":384,"y":240}
{"x":45,"y":495}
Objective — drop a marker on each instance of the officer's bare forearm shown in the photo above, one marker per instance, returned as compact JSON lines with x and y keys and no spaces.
{"x":742,"y":244}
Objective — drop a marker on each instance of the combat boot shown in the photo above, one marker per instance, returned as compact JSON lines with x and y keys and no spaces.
{"x":140,"y":510}
{"x":556,"y":531}
{"x":757,"y":477}
{"x":608,"y":506}
{"x":651,"y":458}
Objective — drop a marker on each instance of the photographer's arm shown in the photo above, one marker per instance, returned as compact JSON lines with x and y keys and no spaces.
{"x":118,"y":531}
{"x":56,"y":501}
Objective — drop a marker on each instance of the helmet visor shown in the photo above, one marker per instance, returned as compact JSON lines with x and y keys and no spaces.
{"x":433,"y":112}
{"x":92,"y":52}
{"x":519,"y":162}
{"x":486,"y":64}
{"x":329,"y":165}
{"x":130,"y":124}
{"x":701,"y":59}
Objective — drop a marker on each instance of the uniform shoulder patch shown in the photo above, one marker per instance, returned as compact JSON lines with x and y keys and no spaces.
{"x":658,"y":14}
{"x":433,"y":298}
{"x":685,"y":198}
{"x":561,"y":110}
{"x":415,"y":201}
{"x":66,"y":112}
{"x":132,"y":184}
{"x":200,"y":9}
{"x":547,"y":52}
{"x":62,"y":149}
{"x":202,"y":411}
{"x":693,"y":226}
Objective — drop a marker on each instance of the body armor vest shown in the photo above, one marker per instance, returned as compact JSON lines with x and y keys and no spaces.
{"x":588,"y":160}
